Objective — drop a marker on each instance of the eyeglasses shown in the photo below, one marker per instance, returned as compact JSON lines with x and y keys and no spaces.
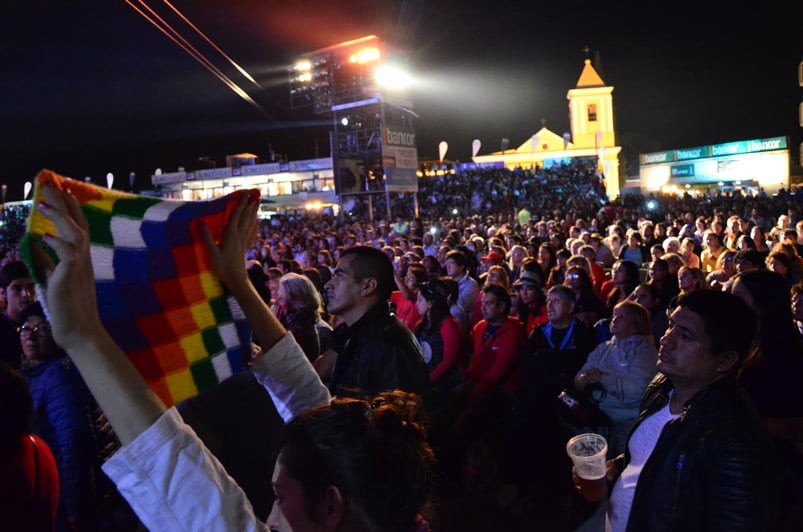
{"x":573,"y":276}
{"x":27,"y":330}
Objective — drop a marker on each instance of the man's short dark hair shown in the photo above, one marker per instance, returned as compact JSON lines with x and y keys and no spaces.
{"x":661,"y":264}
{"x":34,"y":309}
{"x":458,"y":257}
{"x":12,"y":272}
{"x":587,"y":248}
{"x":727,"y":319}
{"x":373,"y":263}
{"x":749,"y":256}
{"x":563,"y":292}
{"x":500,"y":293}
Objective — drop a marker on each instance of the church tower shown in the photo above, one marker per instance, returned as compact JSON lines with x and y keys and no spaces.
{"x":591,"y":122}
{"x":591,"y":110}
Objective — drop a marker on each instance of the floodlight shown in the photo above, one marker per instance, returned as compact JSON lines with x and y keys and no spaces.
{"x":365,"y":55}
{"x":392,"y":77}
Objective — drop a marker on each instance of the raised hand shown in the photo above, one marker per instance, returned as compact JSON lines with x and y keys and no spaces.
{"x":69,"y":292}
{"x":228,"y":258}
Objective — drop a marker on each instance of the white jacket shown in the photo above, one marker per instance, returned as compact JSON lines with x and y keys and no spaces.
{"x":173,"y":482}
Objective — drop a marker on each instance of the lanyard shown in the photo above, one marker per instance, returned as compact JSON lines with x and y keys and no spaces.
{"x":548,"y":334}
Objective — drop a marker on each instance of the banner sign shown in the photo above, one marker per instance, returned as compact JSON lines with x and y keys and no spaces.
{"x":716,"y":150}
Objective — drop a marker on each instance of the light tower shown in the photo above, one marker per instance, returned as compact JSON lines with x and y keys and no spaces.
{"x":361,"y":85}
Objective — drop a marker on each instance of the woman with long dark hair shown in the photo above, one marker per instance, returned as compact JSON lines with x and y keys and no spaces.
{"x":546,"y":257}
{"x":440,"y":337}
{"x":625,"y":276}
{"x":588,"y":309}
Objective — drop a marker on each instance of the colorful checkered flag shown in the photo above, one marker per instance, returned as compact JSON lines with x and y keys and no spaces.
{"x":157,"y":296}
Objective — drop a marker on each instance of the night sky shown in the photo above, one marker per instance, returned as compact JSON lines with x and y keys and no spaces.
{"x":91,"y":87}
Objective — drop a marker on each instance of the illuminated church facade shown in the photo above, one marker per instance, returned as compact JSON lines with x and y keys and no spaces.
{"x":592,"y":135}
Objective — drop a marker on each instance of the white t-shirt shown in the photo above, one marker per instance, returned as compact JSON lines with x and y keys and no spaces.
{"x":641,"y":445}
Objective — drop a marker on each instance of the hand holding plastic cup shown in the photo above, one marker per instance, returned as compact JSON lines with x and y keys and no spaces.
{"x":588,"y":453}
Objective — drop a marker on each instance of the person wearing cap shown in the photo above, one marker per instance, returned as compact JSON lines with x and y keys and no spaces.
{"x":604,"y":255}
{"x":530,"y":306}
{"x":18,"y":292}
{"x":493,"y":258}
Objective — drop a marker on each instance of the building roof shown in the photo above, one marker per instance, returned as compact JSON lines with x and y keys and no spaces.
{"x":589,"y":77}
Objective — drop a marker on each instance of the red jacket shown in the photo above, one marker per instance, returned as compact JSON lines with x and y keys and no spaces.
{"x":405,"y":310}
{"x":29,"y":486}
{"x":494,"y":362}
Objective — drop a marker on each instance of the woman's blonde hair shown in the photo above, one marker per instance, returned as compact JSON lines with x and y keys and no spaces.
{"x":301,"y":293}
{"x":640,"y":316}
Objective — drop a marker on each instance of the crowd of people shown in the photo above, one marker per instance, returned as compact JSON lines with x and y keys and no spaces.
{"x":412,"y":360}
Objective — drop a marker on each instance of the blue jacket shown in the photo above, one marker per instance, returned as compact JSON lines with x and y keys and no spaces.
{"x":63,"y":417}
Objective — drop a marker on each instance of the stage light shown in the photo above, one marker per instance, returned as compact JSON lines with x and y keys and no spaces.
{"x":365,"y":55}
{"x":392,"y":77}
{"x":303,"y":65}
{"x":344,"y":121}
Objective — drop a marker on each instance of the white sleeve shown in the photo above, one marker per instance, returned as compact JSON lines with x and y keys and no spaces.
{"x":173,"y":482}
{"x":290,"y":379}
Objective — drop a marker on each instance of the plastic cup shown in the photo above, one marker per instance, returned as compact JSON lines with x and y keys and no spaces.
{"x":588,"y":453}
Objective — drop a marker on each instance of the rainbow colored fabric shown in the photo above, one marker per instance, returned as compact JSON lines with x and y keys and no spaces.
{"x":156,"y":294}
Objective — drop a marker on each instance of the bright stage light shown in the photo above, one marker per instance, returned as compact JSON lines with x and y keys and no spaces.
{"x":365,"y":55}
{"x":303,"y":65}
{"x":389,"y":76}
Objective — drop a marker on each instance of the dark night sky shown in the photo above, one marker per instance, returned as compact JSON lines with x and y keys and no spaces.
{"x":90,"y":87}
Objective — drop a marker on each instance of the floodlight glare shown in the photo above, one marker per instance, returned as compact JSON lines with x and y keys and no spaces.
{"x":344,"y":121}
{"x":392,"y":77}
{"x":303,"y":65}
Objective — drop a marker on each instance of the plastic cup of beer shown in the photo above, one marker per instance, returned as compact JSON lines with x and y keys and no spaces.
{"x":588,"y":453}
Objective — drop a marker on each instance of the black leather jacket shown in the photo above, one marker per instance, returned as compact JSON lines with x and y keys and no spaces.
{"x":379,"y":353}
{"x":713,"y":468}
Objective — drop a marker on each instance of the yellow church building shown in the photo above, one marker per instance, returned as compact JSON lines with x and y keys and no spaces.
{"x":592,"y":134}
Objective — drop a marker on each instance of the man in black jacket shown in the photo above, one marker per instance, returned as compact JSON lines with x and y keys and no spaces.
{"x":698,"y":456}
{"x":375,"y":351}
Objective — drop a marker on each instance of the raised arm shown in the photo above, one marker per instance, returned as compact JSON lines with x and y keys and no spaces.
{"x":228,"y":262}
{"x":69,"y":297}
{"x":281,"y":367}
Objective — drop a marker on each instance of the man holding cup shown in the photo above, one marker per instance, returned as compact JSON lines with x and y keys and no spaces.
{"x":698,"y":456}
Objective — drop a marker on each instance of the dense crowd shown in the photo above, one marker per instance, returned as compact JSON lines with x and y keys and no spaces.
{"x":525,"y":308}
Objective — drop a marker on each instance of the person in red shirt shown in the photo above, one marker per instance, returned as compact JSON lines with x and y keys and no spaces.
{"x":496,"y":341}
{"x":469,"y":423}
{"x":404,"y":299}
